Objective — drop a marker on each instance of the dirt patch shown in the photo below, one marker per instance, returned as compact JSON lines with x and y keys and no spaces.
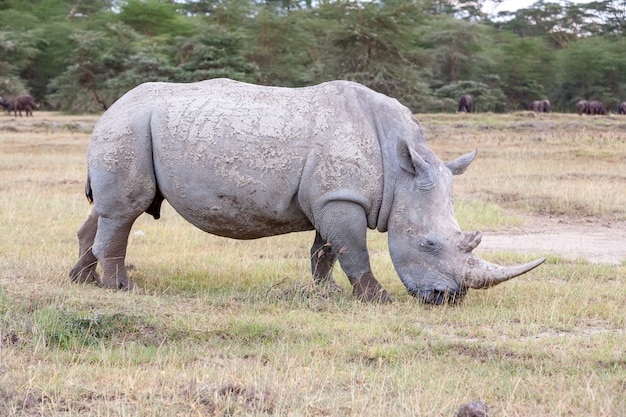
{"x":597,"y":240}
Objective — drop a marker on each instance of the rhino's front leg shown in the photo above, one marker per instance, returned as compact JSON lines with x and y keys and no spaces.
{"x":344,"y":225}
{"x":85,"y":268}
{"x":110,"y":249}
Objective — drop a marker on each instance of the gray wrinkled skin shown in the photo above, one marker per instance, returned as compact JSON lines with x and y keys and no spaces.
{"x":246,"y":161}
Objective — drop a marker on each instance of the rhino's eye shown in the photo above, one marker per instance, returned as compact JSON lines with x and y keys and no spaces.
{"x":429,"y":245}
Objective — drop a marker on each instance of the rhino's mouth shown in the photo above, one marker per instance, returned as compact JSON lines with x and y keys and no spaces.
{"x":439,"y":296}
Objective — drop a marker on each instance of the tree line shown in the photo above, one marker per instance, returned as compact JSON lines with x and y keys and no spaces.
{"x":81,"y":55}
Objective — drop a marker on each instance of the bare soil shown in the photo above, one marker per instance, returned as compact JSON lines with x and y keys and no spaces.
{"x":599,"y":241}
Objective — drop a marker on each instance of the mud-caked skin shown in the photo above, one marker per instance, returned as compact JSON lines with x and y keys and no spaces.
{"x":245,"y":161}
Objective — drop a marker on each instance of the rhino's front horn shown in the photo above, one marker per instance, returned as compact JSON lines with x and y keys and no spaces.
{"x":480,"y":274}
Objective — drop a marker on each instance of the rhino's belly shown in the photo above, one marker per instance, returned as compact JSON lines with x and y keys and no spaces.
{"x":227,"y":206}
{"x":225,"y":216}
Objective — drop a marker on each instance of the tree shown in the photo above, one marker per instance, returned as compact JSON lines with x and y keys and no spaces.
{"x":613,"y":13}
{"x":18,"y":51}
{"x":456,"y":47}
{"x":593,"y":68}
{"x":526,"y":67}
{"x":96,"y":59}
{"x":283,"y":48}
{"x":213,"y":52}
{"x":153,"y":18}
{"x":376,"y":46}
{"x":486,"y":97}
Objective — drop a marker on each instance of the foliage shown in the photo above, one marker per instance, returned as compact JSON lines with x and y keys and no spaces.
{"x":486,"y":97}
{"x":213,"y":53}
{"x":369,"y":40}
{"x":526,"y":70}
{"x":153,"y":18}
{"x":593,"y":71}
{"x":411,"y":50}
{"x":82,"y":84}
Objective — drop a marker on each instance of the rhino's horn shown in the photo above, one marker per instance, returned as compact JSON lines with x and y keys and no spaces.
{"x":480,"y":274}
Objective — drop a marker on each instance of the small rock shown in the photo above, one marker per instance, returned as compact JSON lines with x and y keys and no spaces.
{"x":473,"y":409}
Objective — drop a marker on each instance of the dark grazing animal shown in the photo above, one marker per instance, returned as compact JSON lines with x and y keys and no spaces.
{"x":540,"y":106}
{"x":246,"y":161}
{"x":582,"y":107}
{"x":466,"y":104}
{"x":595,"y":107}
{"x":622,"y":108}
{"x":17,"y":104}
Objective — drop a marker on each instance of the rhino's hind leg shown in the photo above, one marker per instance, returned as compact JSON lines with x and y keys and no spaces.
{"x":110,"y":249}
{"x":85,"y":268}
{"x":323,"y":258}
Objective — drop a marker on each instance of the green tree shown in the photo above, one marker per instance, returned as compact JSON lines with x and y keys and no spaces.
{"x":593,"y":68}
{"x":213,"y":52}
{"x":51,"y":60}
{"x":613,"y":14}
{"x":456,"y":47}
{"x":96,"y":59}
{"x":283,"y":47}
{"x":376,"y":46}
{"x":526,"y":66}
{"x":486,"y":97}
{"x":18,"y":50}
{"x":154,"y":18}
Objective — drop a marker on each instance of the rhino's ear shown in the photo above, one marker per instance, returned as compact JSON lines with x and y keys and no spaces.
{"x":409,"y":159}
{"x":460,"y":164}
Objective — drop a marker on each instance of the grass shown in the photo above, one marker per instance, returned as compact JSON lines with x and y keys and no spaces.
{"x":557,"y":164}
{"x":226,"y":328}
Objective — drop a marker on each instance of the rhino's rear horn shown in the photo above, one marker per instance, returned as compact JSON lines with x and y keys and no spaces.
{"x":470,"y":241}
{"x":480,"y":274}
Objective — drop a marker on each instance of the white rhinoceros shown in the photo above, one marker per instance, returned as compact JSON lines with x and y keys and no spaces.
{"x":246,"y":161}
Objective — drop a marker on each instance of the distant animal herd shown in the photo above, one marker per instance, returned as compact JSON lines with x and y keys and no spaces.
{"x":27,"y":104}
{"x":591,"y":107}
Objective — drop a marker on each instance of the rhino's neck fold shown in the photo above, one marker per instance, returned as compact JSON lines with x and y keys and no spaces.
{"x":387,"y":141}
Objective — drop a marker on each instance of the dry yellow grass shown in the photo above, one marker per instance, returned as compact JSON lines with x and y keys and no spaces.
{"x":559,"y":164}
{"x":227,"y":328}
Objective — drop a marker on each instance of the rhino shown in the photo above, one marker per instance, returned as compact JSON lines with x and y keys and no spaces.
{"x":246,"y":161}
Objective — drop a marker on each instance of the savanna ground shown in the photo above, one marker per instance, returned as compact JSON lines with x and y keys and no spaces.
{"x":225,"y":328}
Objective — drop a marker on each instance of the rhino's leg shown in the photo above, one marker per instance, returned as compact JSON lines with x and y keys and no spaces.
{"x":344,"y":226}
{"x":85,"y":268}
{"x":323,"y":258}
{"x":110,"y":249}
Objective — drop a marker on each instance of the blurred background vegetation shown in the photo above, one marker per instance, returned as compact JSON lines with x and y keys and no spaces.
{"x":81,"y":55}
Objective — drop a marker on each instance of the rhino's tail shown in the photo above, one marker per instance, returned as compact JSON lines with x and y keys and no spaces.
{"x":88,"y":190}
{"x":155,"y":207}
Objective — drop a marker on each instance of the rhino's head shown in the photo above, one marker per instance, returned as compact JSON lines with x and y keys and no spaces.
{"x":431,"y":254}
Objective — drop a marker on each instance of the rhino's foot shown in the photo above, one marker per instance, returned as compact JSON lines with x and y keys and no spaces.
{"x":82,"y":275}
{"x":118,"y":284}
{"x":367,"y":288}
